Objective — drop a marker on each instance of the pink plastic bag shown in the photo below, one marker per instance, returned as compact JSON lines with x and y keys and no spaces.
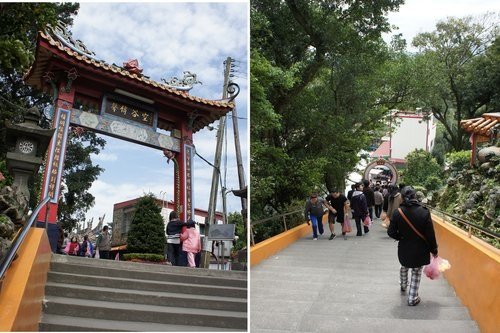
{"x":436,"y":266}
{"x":346,"y":226}
{"x":367,"y":222}
{"x":432,"y":270}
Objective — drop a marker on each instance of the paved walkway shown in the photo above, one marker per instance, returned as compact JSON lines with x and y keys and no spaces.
{"x":348,"y":286}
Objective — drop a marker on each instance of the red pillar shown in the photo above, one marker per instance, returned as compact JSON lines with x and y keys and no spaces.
{"x":56,"y":153}
{"x":183,"y":193}
{"x":473,"y":140}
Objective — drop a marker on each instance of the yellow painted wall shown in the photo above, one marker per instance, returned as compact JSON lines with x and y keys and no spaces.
{"x":474,"y":273}
{"x":24,"y":284}
{"x":267,"y":248}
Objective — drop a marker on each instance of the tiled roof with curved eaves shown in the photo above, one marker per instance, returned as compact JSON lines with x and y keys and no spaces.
{"x":101,"y":65}
{"x":487,"y":125}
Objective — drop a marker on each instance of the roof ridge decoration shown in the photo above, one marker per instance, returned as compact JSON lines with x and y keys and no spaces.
{"x":66,"y":38}
{"x":132,"y":65}
{"x":60,"y":38}
{"x":186,"y":83}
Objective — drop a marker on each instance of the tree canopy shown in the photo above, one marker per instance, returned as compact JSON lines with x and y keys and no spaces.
{"x":19,"y":26}
{"x":458,"y":72}
{"x":315,"y":69}
{"x":323,"y":84}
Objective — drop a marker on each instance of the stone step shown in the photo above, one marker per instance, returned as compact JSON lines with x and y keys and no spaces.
{"x":276,"y":322}
{"x":429,"y":310}
{"x":135,"y":284}
{"x":144,"y":313}
{"x":146,"y":297}
{"x":77,"y":268}
{"x":57,"y":323}
{"x":321,"y":286}
{"x":347,"y":296}
{"x":144,"y":267}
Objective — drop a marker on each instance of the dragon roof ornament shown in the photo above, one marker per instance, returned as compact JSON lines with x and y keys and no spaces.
{"x":61,"y":32}
{"x":186,"y":83}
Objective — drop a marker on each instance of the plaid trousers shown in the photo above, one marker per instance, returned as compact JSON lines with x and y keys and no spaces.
{"x":416,"y":274}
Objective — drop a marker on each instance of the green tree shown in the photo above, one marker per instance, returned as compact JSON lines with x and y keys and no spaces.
{"x":237,"y":219}
{"x":147,"y":230}
{"x":19,"y":26}
{"x":458,"y":75}
{"x":315,"y":103}
{"x":422,"y":170}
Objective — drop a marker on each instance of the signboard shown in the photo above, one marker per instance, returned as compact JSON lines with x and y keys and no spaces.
{"x":125,"y":130}
{"x":122,"y":110}
{"x":56,"y":156}
{"x":188,"y":155}
{"x":221,"y":232}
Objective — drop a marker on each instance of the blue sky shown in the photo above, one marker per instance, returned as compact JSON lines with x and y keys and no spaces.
{"x":168,"y":39}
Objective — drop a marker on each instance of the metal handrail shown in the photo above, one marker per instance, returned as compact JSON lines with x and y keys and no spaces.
{"x":11,"y":253}
{"x":469,"y":224}
{"x":274,"y":217}
{"x":254,"y":223}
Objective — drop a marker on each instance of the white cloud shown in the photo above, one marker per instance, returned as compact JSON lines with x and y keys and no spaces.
{"x":104,"y":157}
{"x":417,"y":16}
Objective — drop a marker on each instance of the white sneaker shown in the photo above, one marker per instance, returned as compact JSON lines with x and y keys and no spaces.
{"x":315,"y":239}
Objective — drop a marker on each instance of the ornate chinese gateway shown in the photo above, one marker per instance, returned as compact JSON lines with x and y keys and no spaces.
{"x":121,"y":102}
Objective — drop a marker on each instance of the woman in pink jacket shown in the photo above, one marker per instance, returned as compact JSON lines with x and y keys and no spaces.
{"x":191,"y":243}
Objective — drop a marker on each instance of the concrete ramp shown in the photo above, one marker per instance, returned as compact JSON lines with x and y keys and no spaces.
{"x":348,"y":286}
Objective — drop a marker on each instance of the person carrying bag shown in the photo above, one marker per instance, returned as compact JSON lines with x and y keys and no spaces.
{"x":411,"y":225}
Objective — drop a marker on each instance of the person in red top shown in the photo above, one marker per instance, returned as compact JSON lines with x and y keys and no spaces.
{"x":72,"y":247}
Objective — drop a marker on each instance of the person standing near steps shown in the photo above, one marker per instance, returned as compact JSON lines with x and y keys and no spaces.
{"x":103,"y":243}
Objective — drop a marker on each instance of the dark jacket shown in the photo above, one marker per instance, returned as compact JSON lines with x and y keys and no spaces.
{"x":370,"y":196}
{"x":358,"y":205}
{"x":174,"y":229}
{"x":413,"y":251}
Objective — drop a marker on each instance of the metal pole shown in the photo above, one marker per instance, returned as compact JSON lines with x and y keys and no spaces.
{"x":239,"y":162}
{"x":251,"y":235}
{"x":205,"y":256}
{"x":223,"y":266}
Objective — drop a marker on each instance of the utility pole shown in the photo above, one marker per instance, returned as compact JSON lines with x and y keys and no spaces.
{"x":205,"y":256}
{"x":241,"y":171}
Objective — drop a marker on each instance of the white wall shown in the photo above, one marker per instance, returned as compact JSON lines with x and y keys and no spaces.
{"x":411,"y":134}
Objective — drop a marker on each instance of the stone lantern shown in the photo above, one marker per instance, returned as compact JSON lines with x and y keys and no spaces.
{"x":27,"y":143}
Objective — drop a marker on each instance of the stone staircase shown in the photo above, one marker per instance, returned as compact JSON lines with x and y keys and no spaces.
{"x":348,"y":286}
{"x":84,"y":294}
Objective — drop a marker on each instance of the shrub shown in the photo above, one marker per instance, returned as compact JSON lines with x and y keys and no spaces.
{"x":144,"y":256}
{"x":147,"y":234}
{"x":458,"y":160}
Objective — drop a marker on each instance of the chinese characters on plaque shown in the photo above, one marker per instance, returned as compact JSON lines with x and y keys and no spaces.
{"x":129,"y":112}
{"x":57,"y":158}
{"x":189,"y":179}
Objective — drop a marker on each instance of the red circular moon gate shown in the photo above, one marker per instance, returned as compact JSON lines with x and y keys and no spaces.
{"x":382,"y":162}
